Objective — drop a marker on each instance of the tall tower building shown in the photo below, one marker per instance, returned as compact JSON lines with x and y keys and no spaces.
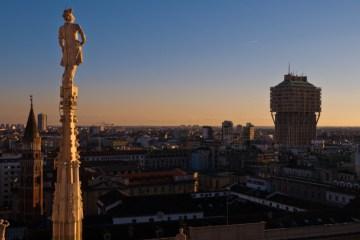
{"x":30,"y":207}
{"x":295,"y":106}
{"x":207,"y":133}
{"x":227,"y":132}
{"x":238,"y":132}
{"x":248,"y":133}
{"x":42,"y":122}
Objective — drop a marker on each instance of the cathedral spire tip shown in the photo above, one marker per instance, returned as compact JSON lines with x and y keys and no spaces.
{"x":31,"y":129}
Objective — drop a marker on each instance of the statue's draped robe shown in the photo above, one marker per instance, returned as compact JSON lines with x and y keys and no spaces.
{"x":72,"y":51}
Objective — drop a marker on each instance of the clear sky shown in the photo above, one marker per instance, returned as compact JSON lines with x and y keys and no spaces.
{"x":170,"y":62}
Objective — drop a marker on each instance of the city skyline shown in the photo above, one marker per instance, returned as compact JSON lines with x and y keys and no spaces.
{"x":173,"y":63}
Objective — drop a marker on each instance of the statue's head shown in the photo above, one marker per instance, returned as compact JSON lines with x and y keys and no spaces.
{"x":68,"y":15}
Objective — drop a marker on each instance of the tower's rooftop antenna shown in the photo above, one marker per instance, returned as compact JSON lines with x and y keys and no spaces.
{"x":289,"y":68}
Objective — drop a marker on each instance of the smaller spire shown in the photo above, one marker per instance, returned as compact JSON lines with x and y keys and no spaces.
{"x":31,"y":130}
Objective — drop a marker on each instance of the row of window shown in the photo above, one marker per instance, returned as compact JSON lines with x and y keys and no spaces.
{"x":170,"y":218}
{"x":337,"y":198}
{"x":11,"y":167}
{"x":162,"y":189}
{"x":9,"y":173}
{"x":136,"y":157}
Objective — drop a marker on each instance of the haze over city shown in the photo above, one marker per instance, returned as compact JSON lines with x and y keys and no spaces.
{"x":182,"y":62}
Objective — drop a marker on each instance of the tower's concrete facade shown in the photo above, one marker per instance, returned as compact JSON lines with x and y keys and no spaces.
{"x":295,"y":106}
{"x":67,"y":213}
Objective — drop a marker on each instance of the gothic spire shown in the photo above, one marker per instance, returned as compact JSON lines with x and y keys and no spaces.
{"x":31,"y":130}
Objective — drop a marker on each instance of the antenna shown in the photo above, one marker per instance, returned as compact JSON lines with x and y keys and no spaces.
{"x":289,"y":68}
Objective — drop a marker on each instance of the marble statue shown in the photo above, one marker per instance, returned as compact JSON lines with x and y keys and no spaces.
{"x":71,"y":46}
{"x":67,"y":213}
{"x":3,"y":225}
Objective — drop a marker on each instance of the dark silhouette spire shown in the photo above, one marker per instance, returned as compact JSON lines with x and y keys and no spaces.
{"x":31,"y":130}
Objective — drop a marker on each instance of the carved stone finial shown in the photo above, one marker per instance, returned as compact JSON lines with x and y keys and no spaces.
{"x":3,"y":225}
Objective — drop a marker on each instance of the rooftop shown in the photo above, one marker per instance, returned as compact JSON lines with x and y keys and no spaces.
{"x":156,"y":177}
{"x":291,"y":80}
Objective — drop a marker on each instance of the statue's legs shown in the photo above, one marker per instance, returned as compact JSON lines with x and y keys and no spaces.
{"x":69,"y":75}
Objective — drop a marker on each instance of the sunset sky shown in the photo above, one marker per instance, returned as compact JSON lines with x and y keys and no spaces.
{"x":171,"y":62}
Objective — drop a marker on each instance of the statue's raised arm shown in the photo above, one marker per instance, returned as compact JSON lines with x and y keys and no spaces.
{"x":71,"y":47}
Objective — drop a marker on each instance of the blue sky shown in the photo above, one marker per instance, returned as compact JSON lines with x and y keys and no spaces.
{"x":169,"y":62}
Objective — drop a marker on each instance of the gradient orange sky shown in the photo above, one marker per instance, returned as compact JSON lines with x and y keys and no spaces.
{"x":182,"y":62}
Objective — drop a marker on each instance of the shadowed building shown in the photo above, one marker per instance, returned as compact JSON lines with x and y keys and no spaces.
{"x":30,"y":190}
{"x":207,"y":133}
{"x":295,"y":106}
{"x":9,"y":175}
{"x":227,"y":132}
{"x":248,"y":134}
{"x":42,"y":122}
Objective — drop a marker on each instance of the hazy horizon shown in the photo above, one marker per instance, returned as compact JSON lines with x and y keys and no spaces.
{"x":181,"y":62}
